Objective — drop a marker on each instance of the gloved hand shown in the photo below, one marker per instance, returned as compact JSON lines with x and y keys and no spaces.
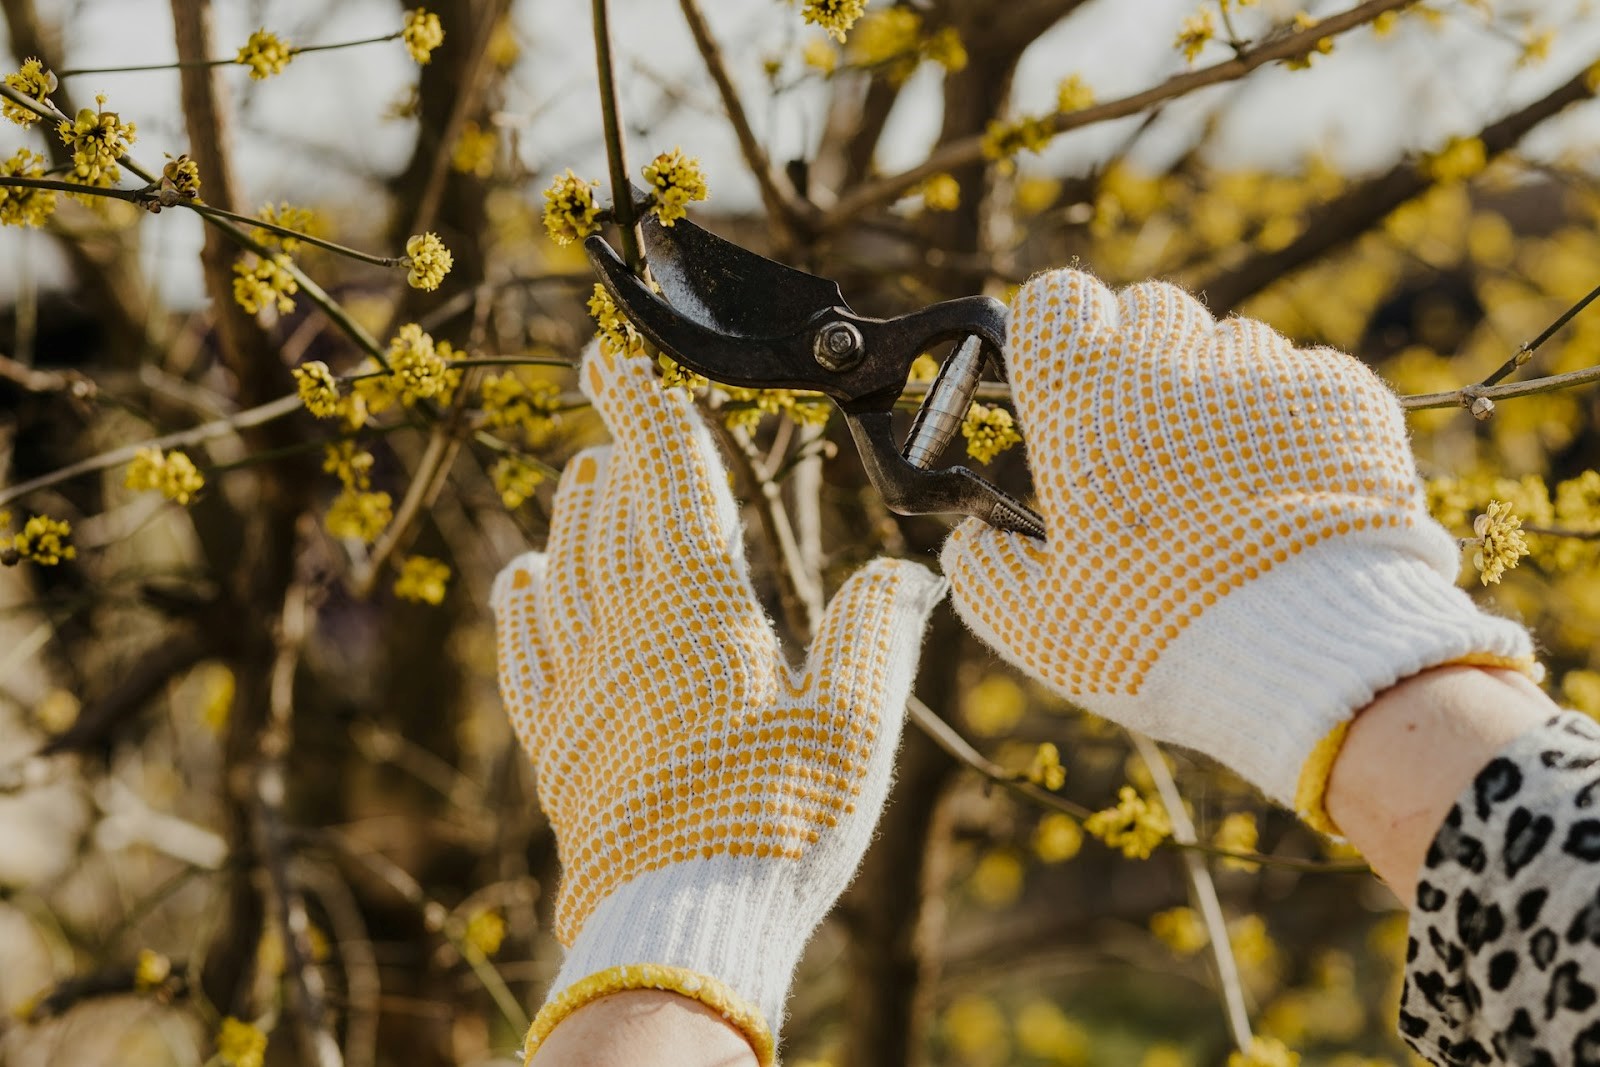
{"x":1238,"y":555}
{"x":709,"y":803}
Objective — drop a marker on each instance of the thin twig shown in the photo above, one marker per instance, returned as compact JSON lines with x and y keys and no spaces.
{"x":616,"y":152}
{"x":1202,"y":890}
{"x":1465,"y":396}
{"x":190,"y":64}
{"x":1526,"y":352}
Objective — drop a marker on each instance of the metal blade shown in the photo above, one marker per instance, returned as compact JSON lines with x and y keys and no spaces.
{"x":728,"y":289}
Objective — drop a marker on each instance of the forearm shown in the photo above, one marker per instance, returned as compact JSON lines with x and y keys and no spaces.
{"x":1412,"y":751}
{"x":615,"y":1030}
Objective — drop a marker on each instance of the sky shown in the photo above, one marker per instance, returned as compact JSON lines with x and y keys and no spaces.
{"x":316,"y":133}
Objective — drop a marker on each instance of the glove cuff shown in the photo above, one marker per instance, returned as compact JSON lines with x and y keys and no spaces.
{"x":726,"y":931}
{"x":1268,"y":677}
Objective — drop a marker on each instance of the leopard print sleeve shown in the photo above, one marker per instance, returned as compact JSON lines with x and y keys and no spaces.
{"x":1503,"y":963}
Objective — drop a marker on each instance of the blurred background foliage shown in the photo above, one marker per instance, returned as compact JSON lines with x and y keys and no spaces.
{"x":260,"y":802}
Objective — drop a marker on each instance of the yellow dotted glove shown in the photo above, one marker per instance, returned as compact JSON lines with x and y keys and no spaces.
{"x":710,"y":804}
{"x":1238,"y":554}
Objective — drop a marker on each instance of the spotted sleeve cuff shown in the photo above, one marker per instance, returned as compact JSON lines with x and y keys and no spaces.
{"x":1503,"y":962}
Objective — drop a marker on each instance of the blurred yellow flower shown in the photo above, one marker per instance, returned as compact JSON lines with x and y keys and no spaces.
{"x":25,"y":207}
{"x":1265,"y":1052}
{"x":42,"y":540}
{"x":834,"y":16}
{"x":1135,"y":825}
{"x":820,"y":55}
{"x":515,"y":480}
{"x":422,"y":34}
{"x":994,"y":705}
{"x":1045,"y":770}
{"x":997,"y":878}
{"x":1003,"y":139}
{"x":976,"y":1029}
{"x":1581,"y":689}
{"x":359,"y":516}
{"x":265,"y":54}
{"x":1238,"y":833}
{"x":485,"y":931}
{"x":1181,"y":930}
{"x":319,"y":392}
{"x":173,"y":474}
{"x":1057,"y":838}
{"x":1460,"y":158}
{"x":263,"y":282}
{"x":150,"y":969}
{"x":475,"y":150}
{"x":940,"y":193}
{"x":1074,"y":94}
{"x":241,"y":1044}
{"x":422,"y":580}
{"x":1197,"y":31}
{"x":1044,"y":1031}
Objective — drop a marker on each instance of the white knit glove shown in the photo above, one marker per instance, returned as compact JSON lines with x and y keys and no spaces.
{"x":1238,"y":555}
{"x":709,"y":803}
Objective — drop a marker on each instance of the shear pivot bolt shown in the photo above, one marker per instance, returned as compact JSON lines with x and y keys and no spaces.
{"x":838,"y":346}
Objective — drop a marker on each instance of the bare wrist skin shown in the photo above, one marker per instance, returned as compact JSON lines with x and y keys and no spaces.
{"x":1411,"y":752}
{"x":611,"y":1031}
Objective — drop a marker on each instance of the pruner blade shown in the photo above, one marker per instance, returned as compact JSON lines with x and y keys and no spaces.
{"x":744,"y":320}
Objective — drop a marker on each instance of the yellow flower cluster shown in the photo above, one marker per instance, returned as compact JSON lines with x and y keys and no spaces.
{"x":32,"y":81}
{"x":485,"y":931}
{"x":475,"y":150}
{"x":25,"y":207}
{"x":989,"y":431}
{"x":349,"y":463}
{"x":1181,"y":930}
{"x":1197,"y":31}
{"x":359,"y":516}
{"x":617,"y":334}
{"x":923,"y":369}
{"x":834,"y":16}
{"x":302,"y":219}
{"x":510,"y":400}
{"x":1057,"y":838}
{"x":977,"y":1029}
{"x":892,"y":41}
{"x":1501,"y":544}
{"x":265,"y":282}
{"x":674,"y":180}
{"x":994,"y":705}
{"x":504,"y":49}
{"x":997,"y":879}
{"x":1045,"y":770}
{"x":1460,"y":158}
{"x":675,"y":375}
{"x":318,"y":390}
{"x":1003,"y":139}
{"x":172,"y":474}
{"x":97,"y":138}
{"x":429,"y":261}
{"x":422,"y":34}
{"x":1135,"y":825}
{"x":241,"y":1044}
{"x":940,"y":193}
{"x":150,"y":969}
{"x":1238,"y":833}
{"x":1302,"y":22}
{"x":42,"y":540}
{"x":747,"y":406}
{"x":1045,"y":1032}
{"x":1074,"y":94}
{"x":1536,"y":47}
{"x":422,"y":580}
{"x":515,"y":480}
{"x":182,"y":176}
{"x":265,"y":54}
{"x":421,"y":367}
{"x":1264,"y":1052}
{"x":569,"y":209}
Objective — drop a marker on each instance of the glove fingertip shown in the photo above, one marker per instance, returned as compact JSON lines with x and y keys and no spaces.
{"x":520,"y":578}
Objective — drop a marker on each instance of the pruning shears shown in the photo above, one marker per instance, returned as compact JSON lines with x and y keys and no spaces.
{"x":743,"y":320}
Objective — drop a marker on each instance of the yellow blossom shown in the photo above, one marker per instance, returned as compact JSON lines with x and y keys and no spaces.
{"x":422,"y":34}
{"x":475,"y":150}
{"x":617,"y":334}
{"x":994,"y":705}
{"x":1264,"y":1052}
{"x":181,"y":175}
{"x":422,"y":580}
{"x":151,"y":969}
{"x":25,"y":207}
{"x":1536,"y":47}
{"x":241,"y":1044}
{"x":569,"y":209}
{"x":359,"y":516}
{"x":509,"y":400}
{"x":1197,"y":30}
{"x":1045,"y":1032}
{"x":318,"y":390}
{"x":820,"y":55}
{"x":1461,"y":158}
{"x":216,"y":697}
{"x":887,"y":38}
{"x":1135,"y":825}
{"x":748,"y":405}
{"x":1252,"y":946}
{"x":32,"y":81}
{"x":1074,"y":94}
{"x":265,"y":54}
{"x":1238,"y":833}
{"x":348,"y":462}
{"x":97,"y":138}
{"x":301,"y":219}
{"x":515,"y":480}
{"x":57,"y":711}
{"x":1057,"y":838}
{"x":504,"y":49}
{"x":834,"y":16}
{"x":42,"y":540}
{"x":923,"y":369}
{"x":1581,"y":689}
{"x":260,"y":283}
{"x":989,"y":431}
{"x":420,"y":369}
{"x":946,"y":49}
{"x":675,"y":375}
{"x":1577,"y":503}
{"x":1164,"y":1055}
{"x":1501,"y":544}
{"x":1003,"y":139}
{"x":674,"y":180}
{"x":1384,"y":24}
{"x":173,"y":475}
{"x":1591,"y":77}
{"x":1181,"y":930}
{"x":485,"y":931}
{"x":976,"y":1029}
{"x":1302,"y":22}
{"x":429,"y":261}
{"x":1045,"y":770}
{"x":997,"y":879}
{"x":940,"y":193}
